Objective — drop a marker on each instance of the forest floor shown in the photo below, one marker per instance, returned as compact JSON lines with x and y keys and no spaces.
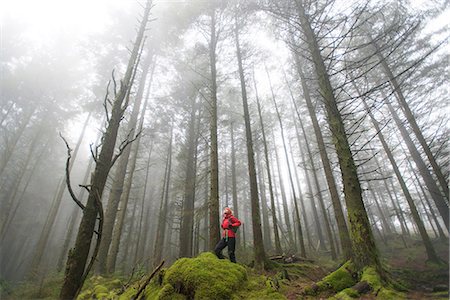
{"x":408,"y":267}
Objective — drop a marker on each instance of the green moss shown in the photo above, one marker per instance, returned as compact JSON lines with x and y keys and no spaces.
{"x":381,"y":289}
{"x":352,"y":293}
{"x":255,"y":288}
{"x":338,"y":280}
{"x":205,"y":277}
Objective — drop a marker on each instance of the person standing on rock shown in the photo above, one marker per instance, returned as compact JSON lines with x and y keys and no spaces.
{"x":230,"y":224}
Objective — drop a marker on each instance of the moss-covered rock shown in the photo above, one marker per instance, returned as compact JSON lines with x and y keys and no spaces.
{"x":204,"y":277}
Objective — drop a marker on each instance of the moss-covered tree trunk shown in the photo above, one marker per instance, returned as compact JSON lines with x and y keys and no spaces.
{"x":259,"y":251}
{"x":338,"y":212}
{"x":363,"y":244}
{"x":76,"y":263}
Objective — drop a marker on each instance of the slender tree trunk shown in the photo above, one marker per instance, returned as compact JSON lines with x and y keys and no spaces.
{"x":10,"y":147}
{"x":51,"y":217}
{"x":162,"y":219}
{"x":422,"y":168}
{"x":120,"y":174}
{"x":297,"y":214}
{"x":117,"y":232}
{"x":412,"y":122}
{"x":278,"y":248}
{"x":302,"y":204}
{"x":214,"y":203}
{"x":76,"y":263}
{"x":259,"y":251}
{"x":139,"y":249}
{"x":233,"y":180}
{"x":344,"y":235}
{"x":187,"y":214}
{"x":318,"y":225}
{"x":427,"y":200}
{"x":319,"y":194}
{"x":265,"y":215}
{"x":283,"y":197}
{"x":363,"y":244}
{"x":20,"y":199}
{"x":415,"y":214}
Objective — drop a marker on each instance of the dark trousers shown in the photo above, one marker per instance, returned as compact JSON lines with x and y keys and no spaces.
{"x":231,"y":243}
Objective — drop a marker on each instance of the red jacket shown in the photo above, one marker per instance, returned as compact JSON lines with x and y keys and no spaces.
{"x":226,"y":222}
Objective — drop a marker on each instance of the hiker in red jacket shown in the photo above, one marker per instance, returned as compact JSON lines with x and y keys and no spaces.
{"x":230,"y":225}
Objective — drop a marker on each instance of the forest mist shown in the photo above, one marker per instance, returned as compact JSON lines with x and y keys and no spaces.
{"x":320,"y":123}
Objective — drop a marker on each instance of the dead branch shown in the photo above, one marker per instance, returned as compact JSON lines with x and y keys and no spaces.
{"x":106,"y":100}
{"x":123,"y":146}
{"x":94,"y":155}
{"x":115,"y":82}
{"x":141,"y":289}
{"x":69,"y":186}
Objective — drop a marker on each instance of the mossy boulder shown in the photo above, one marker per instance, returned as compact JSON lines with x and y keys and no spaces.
{"x":203,"y":277}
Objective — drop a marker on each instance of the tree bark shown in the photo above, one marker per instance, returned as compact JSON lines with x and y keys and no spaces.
{"x":291,"y":181}
{"x":76,"y":263}
{"x":344,"y":235}
{"x":214,"y":204}
{"x":278,"y":248}
{"x":187,"y":214}
{"x":120,"y":174}
{"x":163,"y":208}
{"x":259,"y":251}
{"x":363,"y":244}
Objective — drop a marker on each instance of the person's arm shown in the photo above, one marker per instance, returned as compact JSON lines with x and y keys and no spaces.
{"x":235,"y":222}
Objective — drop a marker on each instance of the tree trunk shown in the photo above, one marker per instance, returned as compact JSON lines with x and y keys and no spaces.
{"x":423,"y":170}
{"x":139,"y":248}
{"x":51,"y":217}
{"x":120,"y":174}
{"x":265,"y":215}
{"x":363,"y":244}
{"x":187,"y":217}
{"x":412,"y":121}
{"x":258,"y":245}
{"x":163,"y":208}
{"x":283,"y":197}
{"x":297,"y":214}
{"x":76,"y":262}
{"x":117,"y":232}
{"x":344,"y":235}
{"x":302,"y":204}
{"x":10,"y":147}
{"x":319,"y":194}
{"x":214,"y":203}
{"x":415,"y":214}
{"x":278,"y":248}
{"x":74,"y":217}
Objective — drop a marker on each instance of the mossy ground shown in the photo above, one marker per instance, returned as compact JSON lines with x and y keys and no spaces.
{"x":206,"y":277}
